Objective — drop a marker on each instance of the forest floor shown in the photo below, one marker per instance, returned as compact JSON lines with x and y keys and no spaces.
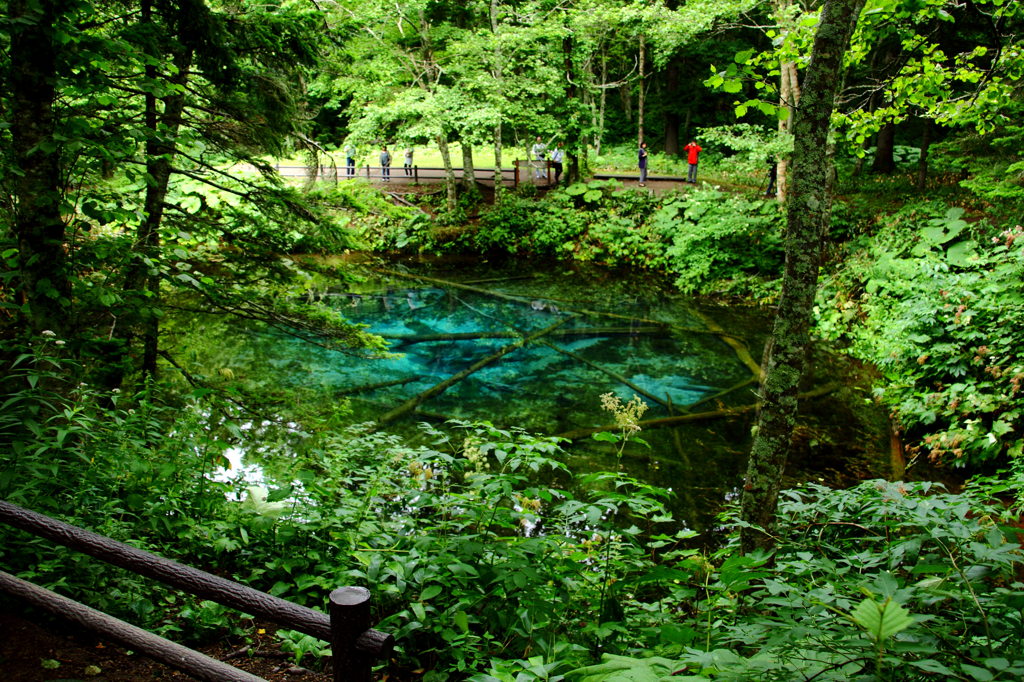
{"x":33,"y":650}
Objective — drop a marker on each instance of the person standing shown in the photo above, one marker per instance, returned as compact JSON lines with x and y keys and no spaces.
{"x":350,"y":159}
{"x":539,"y":151}
{"x":557,"y":158}
{"x":408,"y":161}
{"x":385,"y":164}
{"x":693,"y":151}
{"x":642,"y":163}
{"x":773,"y":175}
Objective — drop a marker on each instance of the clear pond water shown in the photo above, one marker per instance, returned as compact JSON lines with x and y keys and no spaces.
{"x":591,"y":332}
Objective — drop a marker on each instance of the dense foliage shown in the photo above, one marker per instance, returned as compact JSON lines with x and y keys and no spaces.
{"x":882,"y":581}
{"x":137,"y":148}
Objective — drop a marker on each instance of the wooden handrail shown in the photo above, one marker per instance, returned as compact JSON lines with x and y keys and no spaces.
{"x":360,"y":645}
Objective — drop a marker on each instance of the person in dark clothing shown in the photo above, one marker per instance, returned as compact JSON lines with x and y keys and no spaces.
{"x":557,"y":158}
{"x":773,"y":175}
{"x":385,"y":164}
{"x":642,"y":162}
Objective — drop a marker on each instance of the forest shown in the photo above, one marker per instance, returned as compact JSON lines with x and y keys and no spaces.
{"x":588,"y":424}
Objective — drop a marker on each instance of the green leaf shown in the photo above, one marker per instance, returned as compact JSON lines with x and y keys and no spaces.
{"x":430,"y":592}
{"x":606,"y":437}
{"x":881,"y":621}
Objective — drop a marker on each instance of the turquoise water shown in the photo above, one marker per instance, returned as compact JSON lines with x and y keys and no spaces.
{"x":605,"y":333}
{"x":603,"y":337}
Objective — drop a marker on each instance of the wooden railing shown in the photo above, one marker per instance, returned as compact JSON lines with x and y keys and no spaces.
{"x":355,"y":646}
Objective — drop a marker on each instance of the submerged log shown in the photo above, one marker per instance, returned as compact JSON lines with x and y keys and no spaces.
{"x":742,"y":352}
{"x":614,"y":375}
{"x":437,"y":389}
{"x":664,"y":422}
{"x":718,"y":331}
{"x":469,"y":336}
{"x":373,"y":387}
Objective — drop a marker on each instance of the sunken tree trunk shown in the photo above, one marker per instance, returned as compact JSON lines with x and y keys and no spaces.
{"x":44,"y":281}
{"x":806,"y":217}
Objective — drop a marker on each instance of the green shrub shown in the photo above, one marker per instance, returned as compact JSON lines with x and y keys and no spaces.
{"x":935,"y":303}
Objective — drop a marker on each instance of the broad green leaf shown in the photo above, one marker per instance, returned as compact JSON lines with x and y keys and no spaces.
{"x":881,"y":620}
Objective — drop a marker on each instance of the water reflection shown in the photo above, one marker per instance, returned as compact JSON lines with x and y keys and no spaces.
{"x":590,"y":334}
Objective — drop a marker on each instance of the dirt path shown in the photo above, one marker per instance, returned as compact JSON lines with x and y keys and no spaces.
{"x":34,"y":648}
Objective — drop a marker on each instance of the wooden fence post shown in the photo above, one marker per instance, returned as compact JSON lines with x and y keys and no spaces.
{"x":350,"y":617}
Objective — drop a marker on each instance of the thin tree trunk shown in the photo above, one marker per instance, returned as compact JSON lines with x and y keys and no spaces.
{"x":642,"y":93}
{"x":626,"y":95}
{"x":672,"y":118}
{"x":806,"y":219}
{"x":603,"y":102}
{"x":498,"y":73}
{"x":43,"y":265}
{"x":575,"y":145}
{"x":468,"y":171}
{"x":160,"y":152}
{"x":789,"y":99}
{"x":449,"y":172}
{"x":922,"y":162}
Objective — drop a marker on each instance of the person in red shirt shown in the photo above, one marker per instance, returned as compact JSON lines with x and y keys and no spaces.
{"x":692,"y":151}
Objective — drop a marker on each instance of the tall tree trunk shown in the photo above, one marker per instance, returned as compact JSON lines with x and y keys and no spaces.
{"x":499,"y":175}
{"x":922,"y":161}
{"x":642,"y":93}
{"x":42,"y":262}
{"x":575,"y":145}
{"x":672,"y":118}
{"x":162,"y":129}
{"x":885,"y":144}
{"x":626,"y":95}
{"x":449,"y":172}
{"x":789,"y":99}
{"x":468,"y":171}
{"x":603,"y":102}
{"x":161,"y":149}
{"x":806,"y":218}
{"x":497,"y":72}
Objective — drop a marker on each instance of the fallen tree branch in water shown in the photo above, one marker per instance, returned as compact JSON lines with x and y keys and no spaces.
{"x":403,"y":339}
{"x":718,"y":331}
{"x":412,"y":403}
{"x":664,"y":422}
{"x":373,"y":387}
{"x":614,"y":375}
{"x":742,"y":352}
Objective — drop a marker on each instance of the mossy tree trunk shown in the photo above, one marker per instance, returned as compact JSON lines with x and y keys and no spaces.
{"x":42,"y":262}
{"x":807,"y":216}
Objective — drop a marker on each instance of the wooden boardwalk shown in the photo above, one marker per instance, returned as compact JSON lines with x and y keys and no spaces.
{"x":484,"y":176}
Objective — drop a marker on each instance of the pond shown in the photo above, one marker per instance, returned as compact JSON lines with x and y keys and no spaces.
{"x":536,"y":346}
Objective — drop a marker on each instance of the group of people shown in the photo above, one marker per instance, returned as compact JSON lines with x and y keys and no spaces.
{"x":692,"y":150}
{"x":539,"y":154}
{"x":385,"y":161}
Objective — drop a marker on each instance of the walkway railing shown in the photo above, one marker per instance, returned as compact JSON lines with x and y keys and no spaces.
{"x":355,"y":646}
{"x":522,"y":172}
